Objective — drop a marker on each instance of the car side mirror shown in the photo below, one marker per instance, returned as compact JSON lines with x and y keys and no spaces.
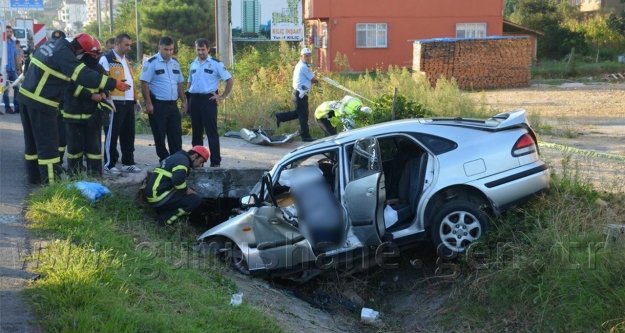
{"x":248,"y":200}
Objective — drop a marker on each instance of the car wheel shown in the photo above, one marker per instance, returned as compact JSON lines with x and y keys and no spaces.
{"x":238,"y":261}
{"x":225,"y":250}
{"x":456,"y":225}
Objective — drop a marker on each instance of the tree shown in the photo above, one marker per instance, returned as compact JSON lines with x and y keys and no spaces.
{"x":183,"y":20}
{"x":549,"y":16}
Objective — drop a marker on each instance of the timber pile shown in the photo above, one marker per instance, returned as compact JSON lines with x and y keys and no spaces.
{"x":502,"y":62}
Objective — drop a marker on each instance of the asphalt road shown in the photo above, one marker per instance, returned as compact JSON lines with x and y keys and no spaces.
{"x":15,"y":315}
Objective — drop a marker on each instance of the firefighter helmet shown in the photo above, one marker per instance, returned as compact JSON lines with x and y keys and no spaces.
{"x":202,"y":151}
{"x":90,"y":45}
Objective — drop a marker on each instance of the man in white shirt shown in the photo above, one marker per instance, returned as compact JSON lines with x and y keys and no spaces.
{"x":303,"y":78}
{"x":122,"y":123}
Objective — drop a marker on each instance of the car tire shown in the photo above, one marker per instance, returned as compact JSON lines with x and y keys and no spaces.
{"x":456,"y":225}
{"x":227,"y":251}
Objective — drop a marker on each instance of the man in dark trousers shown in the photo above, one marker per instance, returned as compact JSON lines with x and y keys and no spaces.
{"x":166,"y":188}
{"x":118,"y":66}
{"x":83,"y":121}
{"x":303,"y":78}
{"x":52,"y":67}
{"x":205,"y":72}
{"x":161,"y":85}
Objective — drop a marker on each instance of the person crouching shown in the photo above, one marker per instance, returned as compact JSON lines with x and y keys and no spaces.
{"x":166,"y":188}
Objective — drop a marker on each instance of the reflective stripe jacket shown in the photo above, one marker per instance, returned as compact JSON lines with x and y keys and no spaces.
{"x":77,"y":105}
{"x":169,"y":177}
{"x":52,"y":66}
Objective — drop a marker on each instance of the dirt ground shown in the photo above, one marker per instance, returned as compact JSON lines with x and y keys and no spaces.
{"x":583,"y":116}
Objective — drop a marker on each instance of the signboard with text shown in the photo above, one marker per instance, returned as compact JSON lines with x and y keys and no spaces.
{"x":26,"y":4}
{"x":258,"y":20}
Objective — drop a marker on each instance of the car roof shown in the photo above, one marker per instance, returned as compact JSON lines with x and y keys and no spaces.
{"x":455,"y":129}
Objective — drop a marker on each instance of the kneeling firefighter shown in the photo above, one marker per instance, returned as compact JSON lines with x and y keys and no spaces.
{"x":330,"y":114}
{"x":166,"y":188}
{"x":82,"y":114}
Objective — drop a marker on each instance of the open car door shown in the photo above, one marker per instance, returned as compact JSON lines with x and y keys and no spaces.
{"x":365,"y":192}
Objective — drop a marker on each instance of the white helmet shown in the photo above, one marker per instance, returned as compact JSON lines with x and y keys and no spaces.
{"x":365,"y":109}
{"x":305,"y":51}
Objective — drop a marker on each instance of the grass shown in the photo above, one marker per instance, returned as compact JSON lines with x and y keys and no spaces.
{"x":546,"y":267}
{"x":550,"y":69}
{"x":105,"y":269}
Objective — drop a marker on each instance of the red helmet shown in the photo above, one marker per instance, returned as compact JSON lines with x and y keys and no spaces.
{"x":90,"y":45}
{"x":202,"y":151}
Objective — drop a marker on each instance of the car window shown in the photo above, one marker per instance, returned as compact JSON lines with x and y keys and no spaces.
{"x":324,"y":162}
{"x":19,"y":33}
{"x":364,"y":158}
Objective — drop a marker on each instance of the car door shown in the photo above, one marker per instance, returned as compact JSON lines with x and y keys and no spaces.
{"x":365,"y":192}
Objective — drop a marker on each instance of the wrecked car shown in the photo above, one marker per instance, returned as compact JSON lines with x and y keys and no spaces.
{"x":334,"y":202}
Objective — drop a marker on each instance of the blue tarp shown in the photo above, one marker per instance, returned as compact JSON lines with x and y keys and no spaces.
{"x":92,"y":191}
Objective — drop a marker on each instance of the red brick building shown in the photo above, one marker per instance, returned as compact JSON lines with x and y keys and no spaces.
{"x":375,"y":34}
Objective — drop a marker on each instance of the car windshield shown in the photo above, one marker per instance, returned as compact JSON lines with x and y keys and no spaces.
{"x":19,"y":33}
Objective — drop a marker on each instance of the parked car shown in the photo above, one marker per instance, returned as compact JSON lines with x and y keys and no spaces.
{"x":323,"y":204}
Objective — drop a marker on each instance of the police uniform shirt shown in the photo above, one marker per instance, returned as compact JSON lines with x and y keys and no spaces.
{"x":302,"y":76}
{"x":204,"y":76}
{"x":129,"y":94}
{"x":163,"y":77}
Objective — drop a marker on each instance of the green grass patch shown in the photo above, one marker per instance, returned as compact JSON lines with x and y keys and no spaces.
{"x":105,"y":269}
{"x":546,"y":267}
{"x":550,"y":69}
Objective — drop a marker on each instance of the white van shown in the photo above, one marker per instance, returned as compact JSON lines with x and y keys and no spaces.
{"x":22,"y":34}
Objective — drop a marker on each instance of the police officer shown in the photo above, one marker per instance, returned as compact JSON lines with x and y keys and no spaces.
{"x":330,"y":114}
{"x":52,"y":67}
{"x":162,"y":85}
{"x":81,"y":114}
{"x":205,"y":72}
{"x":303,"y":78}
{"x":166,"y":188}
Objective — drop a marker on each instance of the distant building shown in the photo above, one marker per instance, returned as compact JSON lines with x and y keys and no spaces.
{"x":72,"y":13}
{"x":250,"y":16}
{"x":591,"y":6}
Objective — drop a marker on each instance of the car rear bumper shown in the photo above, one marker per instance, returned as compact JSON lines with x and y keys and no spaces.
{"x":508,"y":188}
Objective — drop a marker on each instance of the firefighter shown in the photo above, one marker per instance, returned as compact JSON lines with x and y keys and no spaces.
{"x":52,"y":67}
{"x":83,"y":121}
{"x":166,"y":188}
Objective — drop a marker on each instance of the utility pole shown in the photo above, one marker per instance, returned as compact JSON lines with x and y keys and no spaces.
{"x":98,"y":11}
{"x":224,"y":35}
{"x":139,"y":48}
{"x":111,"y":16}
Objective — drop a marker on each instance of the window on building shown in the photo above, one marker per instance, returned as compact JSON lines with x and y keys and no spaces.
{"x":371,"y":35}
{"x":324,"y":35}
{"x":470,"y":30}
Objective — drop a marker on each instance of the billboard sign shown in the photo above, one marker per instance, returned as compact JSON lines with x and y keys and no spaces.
{"x":26,"y":4}
{"x":276,"y":20}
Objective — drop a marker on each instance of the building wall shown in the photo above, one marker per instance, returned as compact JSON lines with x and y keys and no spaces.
{"x":406,"y":20}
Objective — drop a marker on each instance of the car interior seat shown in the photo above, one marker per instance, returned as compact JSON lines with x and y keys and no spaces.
{"x":410,"y":188}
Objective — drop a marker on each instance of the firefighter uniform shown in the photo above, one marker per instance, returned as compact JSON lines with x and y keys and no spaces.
{"x":166,"y":188}
{"x":83,"y":122}
{"x":52,"y":66}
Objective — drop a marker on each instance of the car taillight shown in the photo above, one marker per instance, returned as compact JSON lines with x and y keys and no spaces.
{"x":524,"y":145}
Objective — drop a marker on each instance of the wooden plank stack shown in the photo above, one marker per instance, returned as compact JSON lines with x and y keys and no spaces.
{"x":486,"y":63}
